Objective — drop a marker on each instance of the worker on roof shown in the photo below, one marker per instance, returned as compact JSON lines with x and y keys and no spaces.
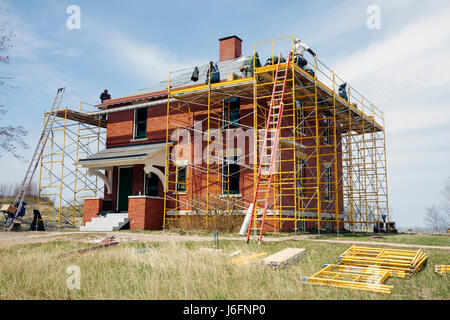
{"x":274,"y":60}
{"x":342,"y":91}
{"x":215,"y":75}
{"x":105,"y":96}
{"x":299,"y":51}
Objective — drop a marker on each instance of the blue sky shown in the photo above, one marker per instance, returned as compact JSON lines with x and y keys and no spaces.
{"x":403,"y":68}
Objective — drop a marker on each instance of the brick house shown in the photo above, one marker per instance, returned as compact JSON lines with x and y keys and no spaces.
{"x":133,"y":165}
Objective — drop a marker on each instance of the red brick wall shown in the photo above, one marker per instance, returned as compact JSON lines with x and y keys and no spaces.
{"x":120,"y":127}
{"x":91,"y":208}
{"x":146,"y":213}
{"x":120,"y":133}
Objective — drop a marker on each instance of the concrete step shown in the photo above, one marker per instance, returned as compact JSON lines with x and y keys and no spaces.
{"x":110,"y":222}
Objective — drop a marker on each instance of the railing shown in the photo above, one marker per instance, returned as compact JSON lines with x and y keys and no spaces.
{"x":271,"y":48}
{"x":323,"y":74}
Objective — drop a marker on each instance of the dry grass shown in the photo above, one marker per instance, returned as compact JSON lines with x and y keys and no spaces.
{"x":185,"y":271}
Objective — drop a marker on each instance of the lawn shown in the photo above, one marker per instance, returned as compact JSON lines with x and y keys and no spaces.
{"x":421,"y":239}
{"x":184,"y":270}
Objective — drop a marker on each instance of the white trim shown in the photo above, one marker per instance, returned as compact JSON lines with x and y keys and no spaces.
{"x":108,"y":181}
{"x":149,"y":168}
{"x":145,"y":197}
{"x":130,"y":107}
{"x":231,"y":195}
{"x":139,"y":140}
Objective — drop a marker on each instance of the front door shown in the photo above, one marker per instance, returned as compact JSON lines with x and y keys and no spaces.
{"x":125,"y":188}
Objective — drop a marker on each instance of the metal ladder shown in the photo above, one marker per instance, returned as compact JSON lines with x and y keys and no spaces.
{"x":270,"y":146}
{"x":25,"y":186}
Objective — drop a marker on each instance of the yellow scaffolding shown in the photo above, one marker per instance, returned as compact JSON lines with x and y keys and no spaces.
{"x":63,"y":185}
{"x":360,"y":278}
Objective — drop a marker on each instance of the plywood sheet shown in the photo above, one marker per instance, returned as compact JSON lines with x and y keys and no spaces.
{"x":284,"y":257}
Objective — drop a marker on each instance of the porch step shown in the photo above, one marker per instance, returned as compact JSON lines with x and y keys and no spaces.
{"x":110,"y":222}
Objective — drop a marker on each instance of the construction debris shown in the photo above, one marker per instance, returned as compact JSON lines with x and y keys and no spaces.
{"x":248,"y":259}
{"x":106,"y":243}
{"x":442,"y":269}
{"x":407,"y":261}
{"x":368,"y":268}
{"x":104,"y":240}
{"x":284,"y":257}
{"x":361,"y":278}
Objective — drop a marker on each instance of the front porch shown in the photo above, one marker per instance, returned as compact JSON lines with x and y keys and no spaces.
{"x":144,"y":212}
{"x":134,"y":185}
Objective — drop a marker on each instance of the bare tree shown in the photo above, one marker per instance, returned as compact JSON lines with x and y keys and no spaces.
{"x":11,"y":137}
{"x":435,"y":219}
{"x":445,"y":206}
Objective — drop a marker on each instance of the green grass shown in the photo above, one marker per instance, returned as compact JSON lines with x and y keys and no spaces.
{"x":420,"y":239}
{"x":184,"y":271}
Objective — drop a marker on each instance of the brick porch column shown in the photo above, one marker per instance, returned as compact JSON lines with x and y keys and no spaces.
{"x":145,"y":212}
{"x":92,"y":206}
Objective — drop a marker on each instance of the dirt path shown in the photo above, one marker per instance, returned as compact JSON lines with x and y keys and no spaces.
{"x":12,"y":238}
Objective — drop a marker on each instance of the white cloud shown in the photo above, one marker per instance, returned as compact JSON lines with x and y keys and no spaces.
{"x":417,"y":119}
{"x":144,"y":59}
{"x":418,"y":39}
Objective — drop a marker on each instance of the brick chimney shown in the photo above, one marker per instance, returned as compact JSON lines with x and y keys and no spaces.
{"x":230,"y":48}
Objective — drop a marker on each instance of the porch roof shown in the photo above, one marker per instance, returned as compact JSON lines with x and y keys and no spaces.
{"x":153,"y":153}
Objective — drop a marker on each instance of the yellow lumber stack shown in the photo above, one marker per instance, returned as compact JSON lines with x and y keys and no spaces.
{"x":247,"y":259}
{"x":368,"y":268}
{"x":442,"y":270}
{"x":400,"y":261}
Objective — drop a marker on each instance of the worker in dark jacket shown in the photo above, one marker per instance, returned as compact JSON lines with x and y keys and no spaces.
{"x":343,"y":91}
{"x":215,"y":75}
{"x":105,"y":96}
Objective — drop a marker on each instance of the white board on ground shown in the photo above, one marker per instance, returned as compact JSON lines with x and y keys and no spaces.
{"x":284,"y":257}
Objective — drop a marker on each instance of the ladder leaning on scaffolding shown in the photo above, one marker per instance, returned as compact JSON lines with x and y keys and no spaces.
{"x":25,"y":186}
{"x":266,"y":172}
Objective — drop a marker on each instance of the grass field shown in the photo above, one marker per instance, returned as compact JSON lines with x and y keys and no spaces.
{"x":183,"y":270}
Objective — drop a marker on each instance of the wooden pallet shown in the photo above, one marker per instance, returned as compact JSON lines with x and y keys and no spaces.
{"x":284,"y":257}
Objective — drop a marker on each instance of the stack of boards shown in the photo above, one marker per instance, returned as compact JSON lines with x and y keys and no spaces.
{"x":278,"y":260}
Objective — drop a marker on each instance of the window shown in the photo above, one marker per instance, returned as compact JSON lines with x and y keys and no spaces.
{"x":181,"y":179}
{"x":231,"y":112}
{"x":140,"y":123}
{"x":231,"y":176}
{"x":328,"y":183}
{"x":151,"y":185}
